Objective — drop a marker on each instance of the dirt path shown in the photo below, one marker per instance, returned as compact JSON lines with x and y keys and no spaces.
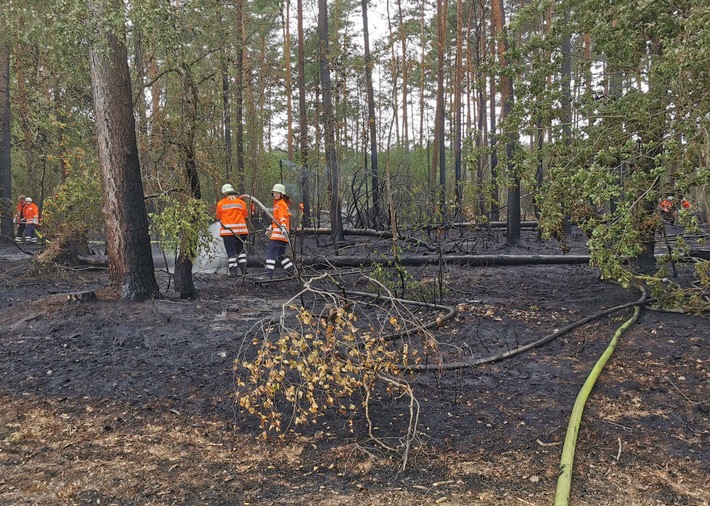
{"x":106,"y":402}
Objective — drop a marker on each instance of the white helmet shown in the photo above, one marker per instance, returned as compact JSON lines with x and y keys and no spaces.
{"x":279,"y":188}
{"x":28,"y":199}
{"x":227,"y":188}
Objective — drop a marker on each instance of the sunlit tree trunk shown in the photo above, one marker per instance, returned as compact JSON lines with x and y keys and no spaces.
{"x":127,"y":241}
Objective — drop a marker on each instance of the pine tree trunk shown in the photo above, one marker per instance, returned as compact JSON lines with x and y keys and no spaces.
{"x":373,"y":217}
{"x":6,"y":200}
{"x":303,"y":119}
{"x":405,"y":75}
{"x":239,"y":98}
{"x":458,"y":84}
{"x":127,"y":241}
{"x":336,"y":221}
{"x":513,"y":215}
{"x":495,"y":195}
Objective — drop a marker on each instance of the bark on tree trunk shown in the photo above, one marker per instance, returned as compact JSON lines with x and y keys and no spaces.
{"x":6,"y":201}
{"x":239,"y":99}
{"x":442,"y":11}
{"x":184,"y":284}
{"x":513,"y":215}
{"x":374,"y":217}
{"x":227,"y":115}
{"x":336,"y":221}
{"x":495,"y":195}
{"x":405,"y":75}
{"x":458,"y":84}
{"x":303,"y":119}
{"x":127,"y":241}
{"x":287,"y":64}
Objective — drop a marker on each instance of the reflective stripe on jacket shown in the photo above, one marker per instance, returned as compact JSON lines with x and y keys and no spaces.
{"x":282,"y":218}
{"x":232,"y":214}
{"x":31,"y":213}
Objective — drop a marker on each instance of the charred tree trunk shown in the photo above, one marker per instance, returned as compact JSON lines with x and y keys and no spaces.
{"x":405,"y":75}
{"x":513,"y":215}
{"x":495,"y":196}
{"x":458,"y":84}
{"x":373,"y":218}
{"x":303,"y":119}
{"x":336,"y":221}
{"x":127,"y":241}
{"x":184,"y":283}
{"x":442,"y":11}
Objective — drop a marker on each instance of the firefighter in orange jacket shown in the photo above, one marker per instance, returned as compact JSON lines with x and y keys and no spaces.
{"x":232,"y":216}
{"x":278,"y":232}
{"x":666,"y":205}
{"x":31,"y":214}
{"x":20,"y":218}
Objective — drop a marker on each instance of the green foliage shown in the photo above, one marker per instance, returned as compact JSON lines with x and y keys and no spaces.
{"x":182,"y":225}
{"x":395,"y":278}
{"x":320,"y":359}
{"x":76,"y":204}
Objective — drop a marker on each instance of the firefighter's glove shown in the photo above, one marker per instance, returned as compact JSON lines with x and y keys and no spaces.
{"x":268,"y":233}
{"x":284,"y":231}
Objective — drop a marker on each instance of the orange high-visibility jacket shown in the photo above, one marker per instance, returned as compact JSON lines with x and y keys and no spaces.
{"x":20,"y":212}
{"x":282,"y":218}
{"x":666,"y":205}
{"x":232,"y":214}
{"x":31,"y":213}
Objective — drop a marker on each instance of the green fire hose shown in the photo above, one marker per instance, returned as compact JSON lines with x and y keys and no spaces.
{"x":564,"y":481}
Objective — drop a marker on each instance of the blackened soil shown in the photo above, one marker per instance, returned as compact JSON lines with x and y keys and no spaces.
{"x":110,"y":402}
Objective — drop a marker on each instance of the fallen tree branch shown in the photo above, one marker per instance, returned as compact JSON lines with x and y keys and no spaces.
{"x":471,"y":260}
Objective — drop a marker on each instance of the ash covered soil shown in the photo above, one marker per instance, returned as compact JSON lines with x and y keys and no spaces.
{"x":111,"y":402}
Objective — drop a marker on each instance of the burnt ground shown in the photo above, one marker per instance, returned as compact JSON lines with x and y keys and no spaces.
{"x":109,"y":402}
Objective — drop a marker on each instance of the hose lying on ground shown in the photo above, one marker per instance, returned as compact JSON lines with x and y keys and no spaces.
{"x":520,"y":349}
{"x":564,"y":481}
